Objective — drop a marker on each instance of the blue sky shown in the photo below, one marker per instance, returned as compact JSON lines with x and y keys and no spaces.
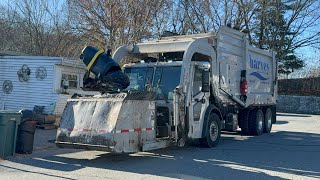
{"x":309,"y":54}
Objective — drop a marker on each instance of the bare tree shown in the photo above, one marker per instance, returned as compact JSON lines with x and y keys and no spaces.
{"x":43,"y":27}
{"x":38,"y":27}
{"x":281,"y":25}
{"x":111,"y":23}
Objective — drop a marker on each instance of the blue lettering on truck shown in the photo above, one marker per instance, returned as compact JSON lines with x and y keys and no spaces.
{"x":260,"y":66}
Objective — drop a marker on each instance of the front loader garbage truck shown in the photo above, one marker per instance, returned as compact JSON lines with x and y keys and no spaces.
{"x":182,"y":88}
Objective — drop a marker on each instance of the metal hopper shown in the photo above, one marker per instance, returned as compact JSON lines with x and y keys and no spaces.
{"x":120,"y":122}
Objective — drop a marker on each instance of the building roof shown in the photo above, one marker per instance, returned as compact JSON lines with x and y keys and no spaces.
{"x":65,"y":61}
{"x":12,"y":53}
{"x":73,"y":62}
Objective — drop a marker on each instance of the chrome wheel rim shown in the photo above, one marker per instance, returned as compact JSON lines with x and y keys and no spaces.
{"x":213,"y":131}
{"x":268,"y":119}
{"x":260,"y":121}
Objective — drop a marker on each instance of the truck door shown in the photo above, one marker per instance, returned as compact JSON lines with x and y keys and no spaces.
{"x":199,"y":101}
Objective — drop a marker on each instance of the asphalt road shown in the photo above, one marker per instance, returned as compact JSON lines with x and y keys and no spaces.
{"x":291,"y":151}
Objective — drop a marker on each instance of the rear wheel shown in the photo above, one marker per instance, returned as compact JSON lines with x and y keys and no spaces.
{"x":243,"y":121}
{"x":267,"y":120}
{"x":213,"y":132}
{"x":256,"y":122}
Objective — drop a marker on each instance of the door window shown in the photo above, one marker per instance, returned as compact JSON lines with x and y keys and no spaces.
{"x":197,"y":80}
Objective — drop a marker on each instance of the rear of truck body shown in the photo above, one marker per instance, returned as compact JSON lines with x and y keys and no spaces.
{"x":196,"y":86}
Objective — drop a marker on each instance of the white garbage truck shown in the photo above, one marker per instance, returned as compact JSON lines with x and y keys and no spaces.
{"x":182,"y":88}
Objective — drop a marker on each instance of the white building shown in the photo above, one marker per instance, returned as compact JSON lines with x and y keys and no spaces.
{"x":27,"y":81}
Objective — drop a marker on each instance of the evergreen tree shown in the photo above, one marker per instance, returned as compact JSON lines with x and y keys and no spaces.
{"x":272,"y":32}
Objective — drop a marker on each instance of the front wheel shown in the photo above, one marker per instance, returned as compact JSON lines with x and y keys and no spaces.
{"x":213,"y":132}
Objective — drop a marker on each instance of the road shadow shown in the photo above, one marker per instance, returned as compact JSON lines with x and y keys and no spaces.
{"x":34,"y":172}
{"x":236,"y":157}
{"x":281,"y":122}
{"x":294,"y":115}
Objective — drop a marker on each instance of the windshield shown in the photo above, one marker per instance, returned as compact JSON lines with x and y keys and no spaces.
{"x":140,"y":78}
{"x":162,"y":81}
{"x":166,"y":79}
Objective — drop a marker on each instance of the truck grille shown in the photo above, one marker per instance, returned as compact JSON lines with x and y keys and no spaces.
{"x":141,"y":95}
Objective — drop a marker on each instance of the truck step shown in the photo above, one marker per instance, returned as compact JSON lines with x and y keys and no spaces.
{"x":155,"y":145}
{"x":46,"y":126}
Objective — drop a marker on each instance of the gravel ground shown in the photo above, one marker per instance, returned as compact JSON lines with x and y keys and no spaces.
{"x":291,"y":151}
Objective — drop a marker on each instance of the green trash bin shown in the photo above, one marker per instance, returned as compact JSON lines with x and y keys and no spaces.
{"x":9,"y":121}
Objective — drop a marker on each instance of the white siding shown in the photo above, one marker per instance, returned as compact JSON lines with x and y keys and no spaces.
{"x":61,"y":103}
{"x":62,"y":98}
{"x":26,"y":95}
{"x":79,"y":72}
{"x":71,"y":62}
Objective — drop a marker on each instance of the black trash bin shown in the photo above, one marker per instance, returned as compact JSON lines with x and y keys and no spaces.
{"x":25,"y":137}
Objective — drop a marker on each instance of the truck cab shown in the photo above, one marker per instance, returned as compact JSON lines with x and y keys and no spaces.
{"x":184,"y":79}
{"x":164,"y":78}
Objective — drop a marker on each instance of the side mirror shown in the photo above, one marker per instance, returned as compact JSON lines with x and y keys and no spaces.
{"x":205,"y":81}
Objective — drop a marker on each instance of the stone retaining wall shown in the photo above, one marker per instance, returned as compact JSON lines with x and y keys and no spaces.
{"x":298,"y":104}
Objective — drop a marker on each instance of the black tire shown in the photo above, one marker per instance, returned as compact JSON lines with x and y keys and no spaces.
{"x":256,"y":122}
{"x":267,"y":120}
{"x":213,"y":132}
{"x":274,"y":114}
{"x":243,"y":121}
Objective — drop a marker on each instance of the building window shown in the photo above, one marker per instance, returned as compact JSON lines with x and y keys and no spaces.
{"x":69,"y":80}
